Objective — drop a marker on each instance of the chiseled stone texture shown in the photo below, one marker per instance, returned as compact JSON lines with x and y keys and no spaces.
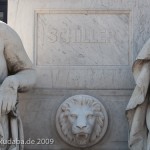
{"x":38,"y":112}
{"x":80,"y":47}
{"x":82,"y":38}
{"x":81,"y":44}
{"x":81,"y":121}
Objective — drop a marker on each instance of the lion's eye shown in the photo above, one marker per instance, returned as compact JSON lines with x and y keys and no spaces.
{"x":73,"y":115}
{"x":90,"y":116}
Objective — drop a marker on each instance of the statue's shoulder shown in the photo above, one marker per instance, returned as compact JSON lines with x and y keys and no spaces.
{"x":3,"y":26}
{"x":4,"y":29}
{"x":7,"y":33}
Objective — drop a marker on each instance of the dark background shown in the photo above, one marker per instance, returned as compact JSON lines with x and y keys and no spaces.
{"x":3,"y":10}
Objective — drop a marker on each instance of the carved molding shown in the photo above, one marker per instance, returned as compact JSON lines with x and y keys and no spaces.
{"x":81,"y":121}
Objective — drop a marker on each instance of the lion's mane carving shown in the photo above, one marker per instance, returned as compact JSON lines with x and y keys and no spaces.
{"x":82,"y":120}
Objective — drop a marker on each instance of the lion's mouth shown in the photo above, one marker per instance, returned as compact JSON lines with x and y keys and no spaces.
{"x":82,"y":138}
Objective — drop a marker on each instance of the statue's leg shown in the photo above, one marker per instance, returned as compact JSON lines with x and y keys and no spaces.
{"x":4,"y":131}
{"x":148,"y":126}
{"x":14,"y":130}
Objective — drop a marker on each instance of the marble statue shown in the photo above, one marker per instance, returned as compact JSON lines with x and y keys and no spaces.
{"x":16,"y":74}
{"x":81,"y":120}
{"x":138,"y":108}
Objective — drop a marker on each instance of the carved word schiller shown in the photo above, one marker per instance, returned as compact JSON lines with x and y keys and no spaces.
{"x":79,"y":35}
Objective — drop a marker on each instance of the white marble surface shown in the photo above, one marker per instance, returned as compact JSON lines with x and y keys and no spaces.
{"x":82,"y":38}
{"x":81,"y":121}
{"x":54,"y":36}
{"x":16,"y":74}
{"x":73,"y":63}
{"x":38,"y":111}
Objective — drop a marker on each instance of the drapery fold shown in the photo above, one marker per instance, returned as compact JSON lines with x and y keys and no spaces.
{"x":136,"y":110}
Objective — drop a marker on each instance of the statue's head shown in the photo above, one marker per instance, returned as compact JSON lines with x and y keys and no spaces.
{"x":82,"y":120}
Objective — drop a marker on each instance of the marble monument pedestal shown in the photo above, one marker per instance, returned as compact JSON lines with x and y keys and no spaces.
{"x":79,"y":47}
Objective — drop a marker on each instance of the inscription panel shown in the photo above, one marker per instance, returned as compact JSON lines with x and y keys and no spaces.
{"x":82,"y":38}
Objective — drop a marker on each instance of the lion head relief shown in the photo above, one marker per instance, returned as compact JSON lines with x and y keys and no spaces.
{"x":81,"y":120}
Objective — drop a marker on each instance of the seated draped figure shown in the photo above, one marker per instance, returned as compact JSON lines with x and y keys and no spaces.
{"x":138,"y":108}
{"x":16,"y":74}
{"x":81,"y":121}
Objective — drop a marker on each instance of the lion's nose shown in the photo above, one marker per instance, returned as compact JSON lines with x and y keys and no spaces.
{"x":81,"y":123}
{"x":81,"y":126}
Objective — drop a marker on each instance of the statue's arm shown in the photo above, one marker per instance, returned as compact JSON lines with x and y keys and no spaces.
{"x":21,"y":72}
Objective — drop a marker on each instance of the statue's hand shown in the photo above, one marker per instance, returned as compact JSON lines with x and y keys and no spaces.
{"x":8,"y":95}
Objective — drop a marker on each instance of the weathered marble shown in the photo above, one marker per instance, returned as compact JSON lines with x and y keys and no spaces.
{"x":81,"y":121}
{"x":138,"y":109}
{"x":16,"y":74}
{"x":80,"y":47}
{"x":39,"y":108}
{"x":77,"y":45}
{"x":82,"y":38}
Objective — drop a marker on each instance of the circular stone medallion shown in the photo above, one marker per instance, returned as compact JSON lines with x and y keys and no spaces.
{"x":81,"y":120}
